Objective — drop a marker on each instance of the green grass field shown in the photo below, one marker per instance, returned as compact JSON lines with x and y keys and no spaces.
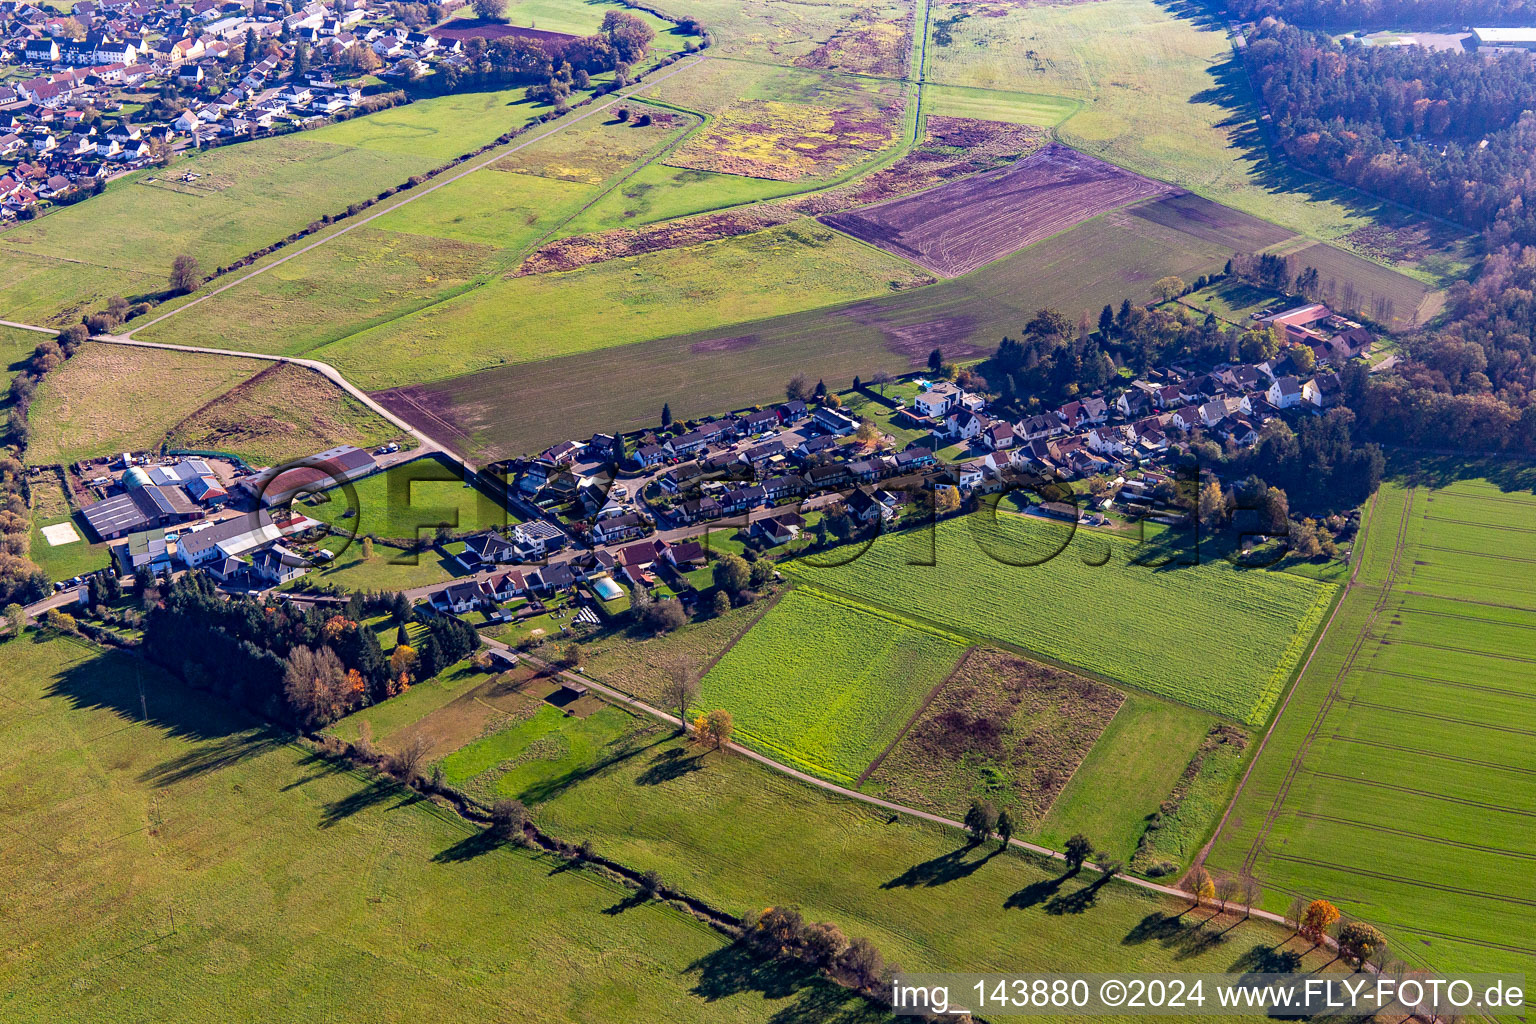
{"x":519,"y":760}
{"x":1106,"y":259}
{"x":281,"y":413}
{"x":1163,"y":95}
{"x":246,"y":196}
{"x":746,"y":837}
{"x":114,"y":398}
{"x":824,"y":686}
{"x":411,"y":500}
{"x":529,"y":319}
{"x":49,"y":507}
{"x":198,"y":866}
{"x":1214,"y":637}
{"x":1397,"y":784}
{"x":998,"y":105}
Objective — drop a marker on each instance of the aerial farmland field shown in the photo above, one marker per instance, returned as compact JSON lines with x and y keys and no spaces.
{"x":1000,"y":728}
{"x":77,"y":413}
{"x":281,"y":413}
{"x":241,"y":198}
{"x":1161,"y":95}
{"x":966,"y":224}
{"x":745,"y":837}
{"x":826,"y":686}
{"x":1399,"y":781}
{"x":202,"y":866}
{"x":538,"y":318}
{"x":1214,"y":637}
{"x":1106,"y":259}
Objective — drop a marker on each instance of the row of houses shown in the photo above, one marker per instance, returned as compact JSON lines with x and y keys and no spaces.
{"x":45,"y":119}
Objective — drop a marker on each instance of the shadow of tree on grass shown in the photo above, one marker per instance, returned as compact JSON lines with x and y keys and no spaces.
{"x":949,"y":867}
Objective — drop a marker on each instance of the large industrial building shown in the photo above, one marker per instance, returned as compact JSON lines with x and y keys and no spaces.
{"x":1512,"y":38}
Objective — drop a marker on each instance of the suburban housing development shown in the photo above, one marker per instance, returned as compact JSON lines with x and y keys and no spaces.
{"x":759,"y":511}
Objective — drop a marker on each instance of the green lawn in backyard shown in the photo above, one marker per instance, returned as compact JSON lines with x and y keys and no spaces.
{"x":1164,"y":95}
{"x":49,"y":507}
{"x":1212,"y":636}
{"x":522,"y":319}
{"x":199,"y":866}
{"x":246,"y":196}
{"x":408,"y":501}
{"x":825,"y":687}
{"x":1406,"y":747}
{"x":1233,"y":301}
{"x":390,"y":568}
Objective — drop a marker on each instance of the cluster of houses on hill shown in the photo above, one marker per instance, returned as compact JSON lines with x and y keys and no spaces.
{"x":62,"y":127}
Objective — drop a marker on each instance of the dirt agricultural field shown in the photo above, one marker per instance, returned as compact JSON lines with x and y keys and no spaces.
{"x":969,"y":223}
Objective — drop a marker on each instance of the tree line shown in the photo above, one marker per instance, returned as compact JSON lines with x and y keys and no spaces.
{"x":303,"y":668}
{"x":1444,"y":131}
{"x":1398,"y":14}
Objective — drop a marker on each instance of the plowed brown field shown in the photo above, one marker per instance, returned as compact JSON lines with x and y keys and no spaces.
{"x":955,"y":228}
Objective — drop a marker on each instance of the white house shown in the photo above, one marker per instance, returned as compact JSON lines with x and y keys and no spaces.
{"x":937,"y":400}
{"x":1284,"y":393}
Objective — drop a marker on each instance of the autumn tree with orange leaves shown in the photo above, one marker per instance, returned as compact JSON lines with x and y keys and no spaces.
{"x":1318,"y":918}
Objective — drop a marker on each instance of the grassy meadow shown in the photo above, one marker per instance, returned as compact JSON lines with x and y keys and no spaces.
{"x":825,"y":687}
{"x":50,"y":507}
{"x":244,"y":197}
{"x":1161,"y":94}
{"x":108,"y":399}
{"x":193,"y":864}
{"x":745,"y":837}
{"x":1213,"y":637}
{"x":497,"y":411}
{"x":536,"y":318}
{"x":1397,"y":784}
{"x":283,"y":412}
{"x":266,"y":413}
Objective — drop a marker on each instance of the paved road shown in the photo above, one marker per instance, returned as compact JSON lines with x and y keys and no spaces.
{"x":325,"y":369}
{"x":619,"y":697}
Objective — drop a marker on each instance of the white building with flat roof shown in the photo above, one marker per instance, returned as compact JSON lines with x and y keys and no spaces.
{"x":1521,"y":37}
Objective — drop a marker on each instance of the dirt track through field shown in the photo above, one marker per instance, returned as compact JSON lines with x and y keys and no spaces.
{"x":1281,"y":795}
{"x":958,"y":227}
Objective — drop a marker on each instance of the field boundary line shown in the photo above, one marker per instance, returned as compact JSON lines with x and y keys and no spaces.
{"x":1419,"y":836}
{"x":1343,"y":595}
{"x":773,"y":603}
{"x":912,"y":719}
{"x":1325,"y":707}
{"x":417,"y":193}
